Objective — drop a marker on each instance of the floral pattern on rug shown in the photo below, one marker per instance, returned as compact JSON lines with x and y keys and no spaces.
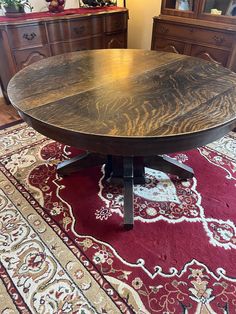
{"x":159,"y":198}
{"x":162,"y":198}
{"x":192,"y":288}
{"x":222,"y":154}
{"x":37,"y":275}
{"x":44,"y":271}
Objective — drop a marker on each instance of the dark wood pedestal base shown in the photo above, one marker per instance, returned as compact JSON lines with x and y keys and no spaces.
{"x":129,"y":170}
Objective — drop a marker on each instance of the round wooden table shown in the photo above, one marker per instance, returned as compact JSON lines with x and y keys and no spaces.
{"x":124,"y":107}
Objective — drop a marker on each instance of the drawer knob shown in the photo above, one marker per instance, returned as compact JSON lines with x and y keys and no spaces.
{"x":29,"y":36}
{"x":218,"y":40}
{"x":79,"y":30}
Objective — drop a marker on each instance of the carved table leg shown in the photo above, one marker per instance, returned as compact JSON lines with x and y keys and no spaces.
{"x":169,"y":165}
{"x":79,"y":162}
{"x":128,"y":176}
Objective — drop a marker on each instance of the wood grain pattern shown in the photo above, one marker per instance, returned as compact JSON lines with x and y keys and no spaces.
{"x":127,"y":102}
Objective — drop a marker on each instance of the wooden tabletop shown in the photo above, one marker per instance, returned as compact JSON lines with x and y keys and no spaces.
{"x":127,"y":102}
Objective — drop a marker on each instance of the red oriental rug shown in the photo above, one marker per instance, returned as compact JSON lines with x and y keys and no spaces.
{"x":63,"y":248}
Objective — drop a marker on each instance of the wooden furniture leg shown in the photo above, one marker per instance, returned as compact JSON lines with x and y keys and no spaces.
{"x":128,"y":192}
{"x":108,"y":167}
{"x":169,"y":165}
{"x":79,"y":162}
{"x":130,"y":170}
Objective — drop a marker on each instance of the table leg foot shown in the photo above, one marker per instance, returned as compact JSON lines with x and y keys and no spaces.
{"x":128,"y":226}
{"x":169,"y":165}
{"x":128,"y":193}
{"x":108,"y":167}
{"x":79,"y":162}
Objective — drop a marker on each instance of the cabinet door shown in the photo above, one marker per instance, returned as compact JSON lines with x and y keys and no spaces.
{"x":220,"y":11}
{"x":210,"y":54}
{"x":26,"y":57}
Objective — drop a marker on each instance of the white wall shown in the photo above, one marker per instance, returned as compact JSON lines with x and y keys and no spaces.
{"x":140,"y":23}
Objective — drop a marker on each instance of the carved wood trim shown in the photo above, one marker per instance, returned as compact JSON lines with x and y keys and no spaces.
{"x":114,"y":43}
{"x":31,"y":56}
{"x":206,"y":56}
{"x":8,"y":53}
{"x":170,"y":48}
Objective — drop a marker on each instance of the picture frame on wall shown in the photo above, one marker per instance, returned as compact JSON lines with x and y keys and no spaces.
{"x":184,"y":5}
{"x":231,"y":10}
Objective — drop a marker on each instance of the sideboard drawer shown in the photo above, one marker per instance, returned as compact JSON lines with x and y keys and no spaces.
{"x":74,"y":29}
{"x":84,"y":27}
{"x":26,"y":57}
{"x":210,"y":54}
{"x":169,"y":45}
{"x":27,"y":36}
{"x":195,"y":34}
{"x":76,"y":45}
{"x":116,"y":22}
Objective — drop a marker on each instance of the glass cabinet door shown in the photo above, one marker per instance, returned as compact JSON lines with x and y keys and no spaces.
{"x":220,"y":7}
{"x":182,"y":5}
{"x":222,"y":11}
{"x":183,"y":8}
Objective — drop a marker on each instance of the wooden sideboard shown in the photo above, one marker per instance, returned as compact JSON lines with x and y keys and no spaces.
{"x":197,"y":32}
{"x":23,"y":42}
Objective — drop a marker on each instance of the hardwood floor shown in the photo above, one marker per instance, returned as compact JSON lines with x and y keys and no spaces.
{"x":7,"y":113}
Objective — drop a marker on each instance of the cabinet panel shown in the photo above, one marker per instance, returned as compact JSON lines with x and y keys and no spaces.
{"x":58,"y":30}
{"x":77,"y":45}
{"x":92,"y":26}
{"x":74,"y":29}
{"x":26,"y":57}
{"x":210,"y":54}
{"x":116,"y":22}
{"x":209,"y":41}
{"x":27,"y":36}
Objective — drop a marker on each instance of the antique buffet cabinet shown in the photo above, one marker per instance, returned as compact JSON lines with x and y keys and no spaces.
{"x":24,"y":41}
{"x":200,"y":28}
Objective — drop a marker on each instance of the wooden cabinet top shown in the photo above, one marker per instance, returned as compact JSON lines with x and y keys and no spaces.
{"x":69,"y":14}
{"x":196,"y":22}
